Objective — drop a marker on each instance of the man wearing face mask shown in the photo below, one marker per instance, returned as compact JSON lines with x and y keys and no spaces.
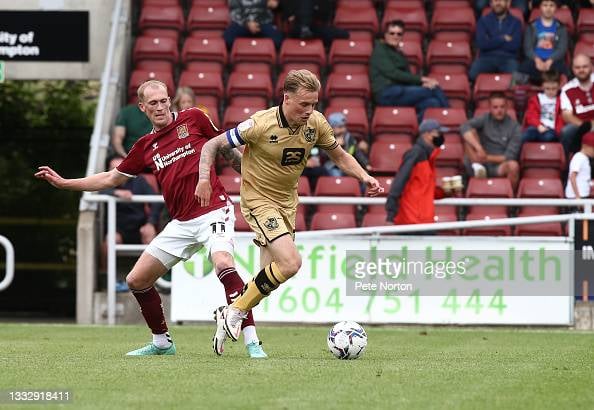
{"x":413,"y":190}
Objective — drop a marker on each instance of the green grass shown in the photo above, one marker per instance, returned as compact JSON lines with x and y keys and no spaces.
{"x":409,"y":367}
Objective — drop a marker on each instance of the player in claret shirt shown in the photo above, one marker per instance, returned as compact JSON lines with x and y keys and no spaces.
{"x":172,"y":152}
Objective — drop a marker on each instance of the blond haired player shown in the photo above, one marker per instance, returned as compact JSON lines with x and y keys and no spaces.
{"x":277,"y":143}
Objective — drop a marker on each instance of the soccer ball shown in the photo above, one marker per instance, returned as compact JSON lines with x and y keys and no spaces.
{"x":347,"y":340}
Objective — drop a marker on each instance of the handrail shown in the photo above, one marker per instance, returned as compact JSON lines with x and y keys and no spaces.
{"x":4,"y":241}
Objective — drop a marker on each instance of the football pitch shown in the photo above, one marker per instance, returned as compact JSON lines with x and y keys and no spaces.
{"x":403,"y":367}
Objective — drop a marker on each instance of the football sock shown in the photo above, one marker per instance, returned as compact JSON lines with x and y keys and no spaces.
{"x":265,"y":282}
{"x":152,"y":309}
{"x":162,"y":341}
{"x":233,"y":287}
{"x":249,"y":334}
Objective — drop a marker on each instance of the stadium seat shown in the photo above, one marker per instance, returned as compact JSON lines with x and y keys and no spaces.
{"x":140,"y":76}
{"x":349,"y":68}
{"x":155,"y":48}
{"x":540,"y":172}
{"x":302,"y":51}
{"x":585,"y":21}
{"x":362,"y":4}
{"x":348,"y":85}
{"x":232,"y":184}
{"x":361,"y":35}
{"x":489,"y":188}
{"x":451,"y":118}
{"x":252,"y":101}
{"x":347,"y":102}
{"x":252,"y":84}
{"x":487,"y":83}
{"x":452,"y":155}
{"x":209,"y":2}
{"x":357,"y":122}
{"x":300,"y":225}
{"x":455,"y":86}
{"x":204,"y":49}
{"x":409,"y":4}
{"x":375,"y":219}
{"x":541,"y":229}
{"x":451,"y":4}
{"x":394,"y":137}
{"x":337,"y":186}
{"x":208,"y":17}
{"x":446,"y":213}
{"x":414,"y":54}
{"x":303,"y":187}
{"x":442,"y":20}
{"x":487,"y":230}
{"x":253,"y":50}
{"x":583,"y":47}
{"x":542,"y":155}
{"x":350,"y":51}
{"x":448,"y":52}
{"x":160,"y":33}
{"x":160,"y":2}
{"x":541,"y":188}
{"x":332,"y":220}
{"x":205,"y":66}
{"x":386,"y":157}
{"x":415,"y":19}
{"x":234,"y":114}
{"x":563,"y":14}
{"x":240,"y":223}
{"x":386,"y":183}
{"x":349,"y":17}
{"x":168,"y":17}
{"x":154,"y":65}
{"x":394,"y":120}
{"x":453,"y":36}
{"x":203,"y":83}
{"x":207,"y":33}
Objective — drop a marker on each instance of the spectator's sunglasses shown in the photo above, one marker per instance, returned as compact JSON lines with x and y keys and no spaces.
{"x":396,"y":32}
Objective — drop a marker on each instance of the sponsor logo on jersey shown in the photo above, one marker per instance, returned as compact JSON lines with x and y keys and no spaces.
{"x":155,"y":145}
{"x":182,"y":131}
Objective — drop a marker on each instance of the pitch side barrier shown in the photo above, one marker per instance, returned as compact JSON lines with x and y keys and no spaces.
{"x":113,"y":249}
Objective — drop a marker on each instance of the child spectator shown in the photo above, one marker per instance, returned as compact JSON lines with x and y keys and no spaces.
{"x":578,"y":181}
{"x":543,"y":120}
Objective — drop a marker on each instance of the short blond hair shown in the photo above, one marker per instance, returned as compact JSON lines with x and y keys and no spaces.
{"x":149,"y":83}
{"x":301,"y":79}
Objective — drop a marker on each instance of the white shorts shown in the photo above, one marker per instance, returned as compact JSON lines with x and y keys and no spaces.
{"x":181,"y":239}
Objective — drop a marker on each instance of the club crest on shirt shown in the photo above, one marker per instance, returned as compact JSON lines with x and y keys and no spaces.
{"x":182,"y":131}
{"x":310,"y":134}
{"x":271,"y":224}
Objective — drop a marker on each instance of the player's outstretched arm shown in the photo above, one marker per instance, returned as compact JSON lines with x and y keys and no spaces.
{"x":97,"y":182}
{"x":349,"y":165}
{"x":207,"y":159}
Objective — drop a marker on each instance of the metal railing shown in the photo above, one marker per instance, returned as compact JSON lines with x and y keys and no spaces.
{"x":9,"y":263}
{"x":113,"y":248}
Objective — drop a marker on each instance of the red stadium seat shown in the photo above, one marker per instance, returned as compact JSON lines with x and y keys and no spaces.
{"x":453,"y":36}
{"x":160,"y":2}
{"x":489,"y":188}
{"x":386,"y":183}
{"x":451,"y":4}
{"x":394,"y":120}
{"x":254,"y":102}
{"x":332,"y":220}
{"x":362,"y":4}
{"x":204,"y":49}
{"x":386,"y":157}
{"x":208,"y":17}
{"x":375,"y":219}
{"x":160,"y":33}
{"x":252,"y":68}
{"x":170,"y":17}
{"x":240,"y":223}
{"x":540,"y":188}
{"x":207,"y":33}
{"x":414,"y":19}
{"x":449,"y":52}
{"x":348,"y":85}
{"x":140,"y":76}
{"x":348,"y":68}
{"x":585,"y":21}
{"x":563,"y":14}
{"x":455,"y":86}
{"x":464,"y":21}
{"x":349,"y":18}
{"x":205,"y":67}
{"x":414,"y":54}
{"x":452,"y":155}
{"x":541,"y":173}
{"x":446,"y":213}
{"x":154,"y":65}
{"x":156,"y":48}
{"x":203,"y":83}
{"x":350,"y":51}
{"x":451,"y":118}
{"x":254,"y":50}
{"x":542,"y":155}
{"x":256,"y":84}
{"x":360,"y":35}
{"x":337,"y":186}
{"x":302,"y":51}
{"x":303,"y":187}
{"x":394,"y":137}
{"x":347,"y":102}
{"x":234,"y":114}
{"x":487,"y":83}
{"x":542,"y":229}
{"x":232,"y":184}
{"x":357,"y":122}
{"x":487,"y":230}
{"x":583,"y":47}
{"x":300,"y":225}
{"x":209,"y":2}
{"x":408,"y":4}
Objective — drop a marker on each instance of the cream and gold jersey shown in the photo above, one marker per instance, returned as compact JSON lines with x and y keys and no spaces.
{"x":275,"y":155}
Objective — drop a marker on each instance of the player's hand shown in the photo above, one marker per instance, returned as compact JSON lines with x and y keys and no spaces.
{"x":50,"y":176}
{"x":203,"y":192}
{"x":373,"y":186}
{"x":123,"y":193}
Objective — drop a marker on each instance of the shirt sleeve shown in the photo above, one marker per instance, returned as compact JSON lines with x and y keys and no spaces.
{"x":121,"y":119}
{"x":326,"y":140}
{"x":565,"y":103}
{"x":133,"y":164}
{"x":576,"y":163}
{"x":245,"y":133}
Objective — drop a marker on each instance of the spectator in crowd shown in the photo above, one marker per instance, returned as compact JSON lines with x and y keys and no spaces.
{"x":130,"y":125}
{"x":392,"y":82}
{"x":578,"y":180}
{"x":311,"y":19}
{"x":577,"y":104}
{"x":184,"y":98}
{"x":133,"y":225}
{"x":545,"y":44}
{"x":252,"y":18}
{"x":498,"y":38}
{"x":534,"y":4}
{"x":522,"y":5}
{"x":492,"y":142}
{"x":543,"y":119}
{"x":338,"y":122}
{"x":410,"y":200}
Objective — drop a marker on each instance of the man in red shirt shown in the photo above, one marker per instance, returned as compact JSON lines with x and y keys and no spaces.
{"x":172,"y":152}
